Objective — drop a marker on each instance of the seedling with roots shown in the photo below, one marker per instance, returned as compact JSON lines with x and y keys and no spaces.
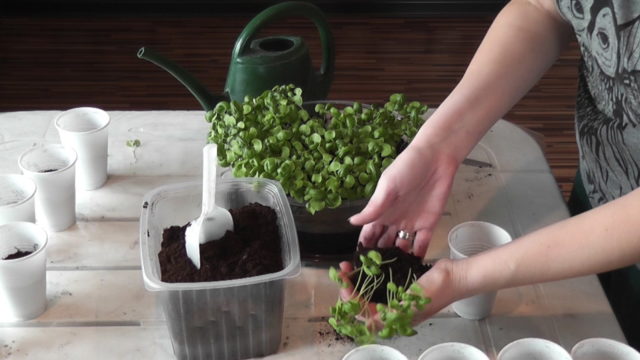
{"x":353,"y":317}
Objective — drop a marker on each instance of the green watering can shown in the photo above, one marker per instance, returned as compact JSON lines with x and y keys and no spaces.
{"x":260,"y":64}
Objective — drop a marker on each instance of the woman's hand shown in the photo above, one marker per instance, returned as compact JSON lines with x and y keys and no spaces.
{"x":372,"y":321}
{"x":444,"y":283}
{"x":410,"y":196}
{"x":439,"y":284}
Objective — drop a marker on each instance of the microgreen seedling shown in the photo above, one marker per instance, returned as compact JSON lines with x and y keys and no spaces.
{"x":321,"y":156}
{"x":133,"y":144}
{"x":351,"y":317}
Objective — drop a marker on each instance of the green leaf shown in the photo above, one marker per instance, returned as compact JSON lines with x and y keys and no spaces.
{"x":349,"y":181}
{"x":407,"y":332}
{"x":334,"y":275}
{"x":257,"y":145}
{"x":387,"y":150}
{"x":303,"y":114}
{"x":309,"y":165}
{"x":332,"y":321}
{"x":375,"y":256}
{"x":330,"y":135}
{"x":363,"y":178}
{"x":316,"y":138}
{"x":332,"y":183}
{"x":397,"y":98}
{"x":270,"y":164}
{"x":134,"y":143}
{"x":334,"y":166}
{"x":285,"y":153}
{"x":333,"y":200}
{"x":229,"y":120}
{"x":305,"y":129}
{"x":385,"y":333}
{"x":315,"y":205}
{"x":353,"y":307}
{"x":416,"y":289}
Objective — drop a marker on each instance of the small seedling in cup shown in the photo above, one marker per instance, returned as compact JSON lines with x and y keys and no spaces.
{"x":214,"y":221}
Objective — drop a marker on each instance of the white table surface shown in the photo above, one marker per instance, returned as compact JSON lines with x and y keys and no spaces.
{"x":98,"y":307}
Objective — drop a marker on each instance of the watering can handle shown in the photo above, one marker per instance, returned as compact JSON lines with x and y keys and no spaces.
{"x":291,"y":9}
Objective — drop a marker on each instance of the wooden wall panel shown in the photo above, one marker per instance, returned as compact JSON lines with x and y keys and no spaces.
{"x":59,"y":62}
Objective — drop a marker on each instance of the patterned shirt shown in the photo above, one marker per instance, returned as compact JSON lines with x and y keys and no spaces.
{"x":608,"y":99}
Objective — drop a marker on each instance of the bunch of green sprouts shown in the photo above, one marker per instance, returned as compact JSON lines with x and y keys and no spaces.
{"x":352,"y":317}
{"x":320,"y":156}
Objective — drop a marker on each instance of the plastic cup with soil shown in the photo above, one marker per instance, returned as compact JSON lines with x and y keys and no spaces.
{"x":233,"y":306}
{"x":52,"y":168}
{"x":23,"y":275}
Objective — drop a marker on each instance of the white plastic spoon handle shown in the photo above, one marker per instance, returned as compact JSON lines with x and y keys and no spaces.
{"x":209,"y":161}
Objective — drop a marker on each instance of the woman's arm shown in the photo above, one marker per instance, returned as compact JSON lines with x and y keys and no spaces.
{"x":602,"y":239}
{"x":524,"y":40}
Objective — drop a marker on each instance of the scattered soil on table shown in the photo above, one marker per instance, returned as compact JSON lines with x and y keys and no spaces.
{"x":330,"y":336}
{"x":404,"y":265}
{"x":253,"y":248}
{"x":17,"y":255}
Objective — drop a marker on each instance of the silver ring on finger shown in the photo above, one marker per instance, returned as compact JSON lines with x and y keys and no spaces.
{"x":405,"y":235}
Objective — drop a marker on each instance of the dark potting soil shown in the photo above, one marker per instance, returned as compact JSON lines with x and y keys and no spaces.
{"x":253,"y":248}
{"x":404,"y":265}
{"x":17,"y":255}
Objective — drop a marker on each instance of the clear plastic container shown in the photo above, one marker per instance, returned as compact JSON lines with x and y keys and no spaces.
{"x":232,"y":319}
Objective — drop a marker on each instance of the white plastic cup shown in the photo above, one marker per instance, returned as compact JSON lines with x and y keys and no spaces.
{"x":17,"y":198}
{"x":52,"y":168}
{"x":374,"y":352}
{"x":23,"y":281}
{"x":603,"y":349}
{"x":453,"y":351}
{"x":468,"y":239}
{"x":85,"y":129}
{"x":533,"y":349}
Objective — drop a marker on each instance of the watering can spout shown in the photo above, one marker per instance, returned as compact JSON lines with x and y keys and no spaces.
{"x":206,"y":99}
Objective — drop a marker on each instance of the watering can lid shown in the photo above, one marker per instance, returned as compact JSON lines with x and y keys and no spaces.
{"x":274,"y":49}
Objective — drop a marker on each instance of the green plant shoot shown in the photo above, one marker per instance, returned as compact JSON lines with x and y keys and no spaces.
{"x":350,"y":318}
{"x":133,"y":144}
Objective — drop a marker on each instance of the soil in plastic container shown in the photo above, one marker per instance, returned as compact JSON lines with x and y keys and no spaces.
{"x":253,"y":248}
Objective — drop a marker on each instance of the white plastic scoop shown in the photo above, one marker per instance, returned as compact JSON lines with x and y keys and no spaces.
{"x":214,"y":221}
